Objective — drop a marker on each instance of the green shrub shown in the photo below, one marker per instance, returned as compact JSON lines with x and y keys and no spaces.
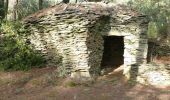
{"x":15,"y":53}
{"x":158,"y":12}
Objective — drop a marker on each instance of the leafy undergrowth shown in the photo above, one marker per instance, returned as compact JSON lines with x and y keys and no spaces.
{"x":43,"y":84}
{"x":15,"y":52}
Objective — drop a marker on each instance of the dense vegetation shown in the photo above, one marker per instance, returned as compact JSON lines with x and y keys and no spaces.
{"x":15,"y":53}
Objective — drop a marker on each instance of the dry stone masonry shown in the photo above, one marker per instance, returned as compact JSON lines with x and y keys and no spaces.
{"x":71,"y":36}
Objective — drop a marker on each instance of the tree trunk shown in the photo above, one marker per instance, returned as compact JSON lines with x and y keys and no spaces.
{"x":5,"y":9}
{"x":40,"y":4}
{"x":2,"y":9}
{"x":12,"y":10}
{"x":66,"y":1}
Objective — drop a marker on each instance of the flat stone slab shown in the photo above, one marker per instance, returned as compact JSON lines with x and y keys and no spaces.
{"x":154,"y":74}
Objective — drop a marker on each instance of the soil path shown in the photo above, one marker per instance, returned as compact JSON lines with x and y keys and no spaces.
{"x":42,"y":84}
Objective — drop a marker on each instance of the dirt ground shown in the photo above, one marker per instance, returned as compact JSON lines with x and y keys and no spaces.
{"x":43,"y":84}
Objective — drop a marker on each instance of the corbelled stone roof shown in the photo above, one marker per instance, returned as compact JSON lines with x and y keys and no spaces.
{"x":84,"y":8}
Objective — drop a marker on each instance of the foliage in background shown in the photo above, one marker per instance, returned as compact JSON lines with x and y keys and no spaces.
{"x":27,"y":7}
{"x":15,"y":53}
{"x":158,"y":12}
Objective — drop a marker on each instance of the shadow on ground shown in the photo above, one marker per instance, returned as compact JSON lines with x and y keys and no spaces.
{"x":42,"y":84}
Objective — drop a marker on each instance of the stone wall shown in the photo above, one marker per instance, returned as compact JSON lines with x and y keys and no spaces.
{"x":133,"y":27}
{"x":71,"y":36}
{"x":65,"y":38}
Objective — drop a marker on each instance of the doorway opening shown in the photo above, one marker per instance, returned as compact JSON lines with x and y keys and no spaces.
{"x":113,"y":52}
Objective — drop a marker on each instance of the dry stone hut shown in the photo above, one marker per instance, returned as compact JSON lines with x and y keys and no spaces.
{"x":81,"y":39}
